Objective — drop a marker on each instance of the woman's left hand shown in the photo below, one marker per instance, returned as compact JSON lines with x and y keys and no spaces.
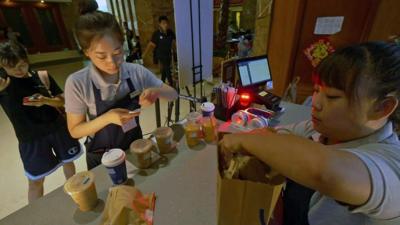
{"x":37,"y":100}
{"x":149,"y":96}
{"x":233,"y":143}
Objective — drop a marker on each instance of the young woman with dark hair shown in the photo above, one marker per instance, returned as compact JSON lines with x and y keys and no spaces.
{"x":353,"y":159}
{"x":105,"y":92}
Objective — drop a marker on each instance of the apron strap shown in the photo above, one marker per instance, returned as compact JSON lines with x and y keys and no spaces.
{"x":97,"y":98}
{"x":130,"y":84}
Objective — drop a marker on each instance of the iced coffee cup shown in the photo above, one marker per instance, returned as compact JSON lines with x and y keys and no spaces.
{"x":82,"y":190}
{"x":164,"y":137}
{"x":141,"y":148}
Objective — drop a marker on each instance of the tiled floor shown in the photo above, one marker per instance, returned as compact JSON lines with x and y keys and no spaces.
{"x":13,"y":186}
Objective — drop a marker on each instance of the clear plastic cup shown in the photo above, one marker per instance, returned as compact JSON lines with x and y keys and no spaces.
{"x":164,"y":137}
{"x":142,"y":149}
{"x":82,"y":189}
{"x":209,"y":123}
{"x":193,"y":131}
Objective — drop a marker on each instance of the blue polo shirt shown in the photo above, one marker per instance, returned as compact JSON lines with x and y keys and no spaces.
{"x":380,"y":152}
{"x":79,"y":95}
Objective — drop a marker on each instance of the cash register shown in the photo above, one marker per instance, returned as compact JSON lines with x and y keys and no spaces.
{"x":255,"y":80}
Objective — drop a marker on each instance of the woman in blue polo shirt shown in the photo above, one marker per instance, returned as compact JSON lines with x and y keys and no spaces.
{"x":353,"y":158}
{"x":102,"y":97}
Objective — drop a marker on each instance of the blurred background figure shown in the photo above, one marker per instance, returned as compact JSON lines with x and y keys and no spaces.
{"x":163,"y":43}
{"x":12,"y":36}
{"x":245,"y":45}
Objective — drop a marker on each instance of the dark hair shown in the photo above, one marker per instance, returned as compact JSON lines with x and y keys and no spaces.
{"x":161,"y":18}
{"x":11,"y":53}
{"x":372,"y":68}
{"x":94,"y":24}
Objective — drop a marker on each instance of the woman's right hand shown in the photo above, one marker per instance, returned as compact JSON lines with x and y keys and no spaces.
{"x":119,"y":116}
{"x":4,"y":83}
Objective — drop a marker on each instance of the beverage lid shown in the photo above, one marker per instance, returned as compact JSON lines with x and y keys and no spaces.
{"x":258,"y":123}
{"x":193,"y":116}
{"x":207,"y":107}
{"x":79,"y":182}
{"x":162,"y":132}
{"x":141,"y":146}
{"x":240,"y":118}
{"x":113,"y":157}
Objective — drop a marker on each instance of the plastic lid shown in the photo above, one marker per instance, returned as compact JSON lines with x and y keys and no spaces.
{"x":193,"y":116}
{"x":207,"y":107}
{"x":113,"y":157}
{"x":258,"y":123}
{"x":240,"y":118}
{"x":79,"y":182}
{"x":141,"y":146}
{"x":162,"y":132}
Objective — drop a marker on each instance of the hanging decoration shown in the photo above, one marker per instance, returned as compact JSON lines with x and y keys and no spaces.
{"x":318,"y":50}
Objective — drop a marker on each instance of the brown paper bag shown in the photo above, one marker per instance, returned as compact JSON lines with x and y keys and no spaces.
{"x":245,"y":202}
{"x":126,"y":205}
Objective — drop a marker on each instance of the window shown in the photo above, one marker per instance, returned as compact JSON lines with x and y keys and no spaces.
{"x":40,"y":25}
{"x":50,"y":28}
{"x":15,"y":20}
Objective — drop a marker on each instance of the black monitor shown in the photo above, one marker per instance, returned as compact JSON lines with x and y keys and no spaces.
{"x":253,"y":71}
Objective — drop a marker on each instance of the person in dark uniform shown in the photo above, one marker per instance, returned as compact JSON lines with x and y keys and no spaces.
{"x":128,"y":36}
{"x":101,"y":99}
{"x":33,"y":109}
{"x":137,"y":50}
{"x":162,"y":42}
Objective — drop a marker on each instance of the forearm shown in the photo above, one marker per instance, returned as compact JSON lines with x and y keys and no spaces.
{"x":57,"y":101}
{"x":338,"y":174}
{"x":88,"y":128}
{"x":284,"y":153}
{"x":168,"y":93}
{"x":148,"y":48}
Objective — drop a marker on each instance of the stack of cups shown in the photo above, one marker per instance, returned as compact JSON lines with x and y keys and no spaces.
{"x":142,"y":149}
{"x":114,"y":161}
{"x":164,"y":137}
{"x":82,"y":190}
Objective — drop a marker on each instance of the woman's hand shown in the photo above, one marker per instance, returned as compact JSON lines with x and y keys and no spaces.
{"x":4,"y":83}
{"x":233,"y":143}
{"x":36,"y":100}
{"x":119,"y":116}
{"x":149,"y":96}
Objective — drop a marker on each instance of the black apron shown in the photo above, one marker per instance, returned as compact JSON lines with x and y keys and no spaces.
{"x":112,"y":136}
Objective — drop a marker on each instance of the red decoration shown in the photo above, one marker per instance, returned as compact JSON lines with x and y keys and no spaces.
{"x":318,"y":50}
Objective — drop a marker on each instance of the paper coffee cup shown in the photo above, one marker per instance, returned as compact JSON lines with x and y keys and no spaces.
{"x":114,"y":161}
{"x":82,"y":190}
{"x":142,"y":149}
{"x":164,"y":138}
